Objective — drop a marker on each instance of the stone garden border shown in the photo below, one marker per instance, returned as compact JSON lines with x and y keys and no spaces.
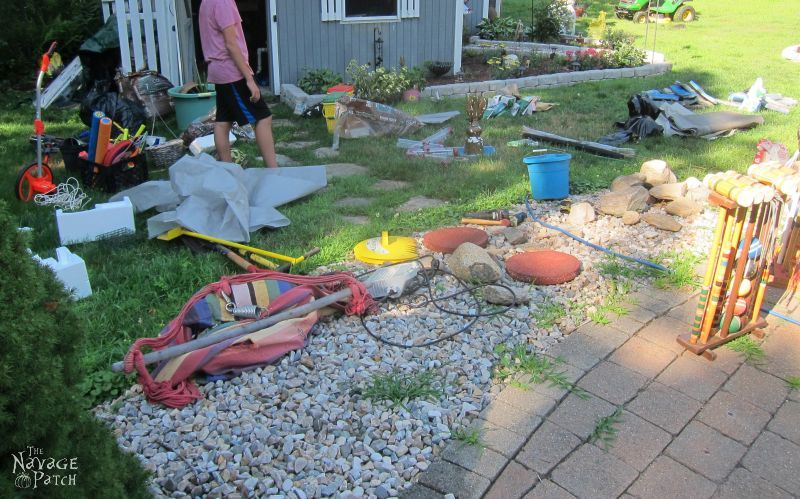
{"x":295,"y":98}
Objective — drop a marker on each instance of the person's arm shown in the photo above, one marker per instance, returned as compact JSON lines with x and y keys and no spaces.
{"x":229,"y":33}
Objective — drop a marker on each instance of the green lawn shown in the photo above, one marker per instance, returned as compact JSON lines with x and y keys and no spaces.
{"x":141,"y":284}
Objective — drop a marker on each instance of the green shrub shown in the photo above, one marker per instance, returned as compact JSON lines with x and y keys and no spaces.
{"x":501,"y":28}
{"x":34,"y":26}
{"x":549,"y":18}
{"x":39,"y":374}
{"x":318,"y":81}
{"x":384,"y":85}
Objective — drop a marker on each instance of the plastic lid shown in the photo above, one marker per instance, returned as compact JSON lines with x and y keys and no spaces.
{"x":340,"y":88}
{"x":333,"y":97}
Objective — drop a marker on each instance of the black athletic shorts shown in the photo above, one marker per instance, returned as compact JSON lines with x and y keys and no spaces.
{"x":233,"y":104}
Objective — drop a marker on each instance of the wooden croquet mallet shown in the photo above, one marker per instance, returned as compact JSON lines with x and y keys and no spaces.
{"x":738,"y":274}
{"x":723,"y":215}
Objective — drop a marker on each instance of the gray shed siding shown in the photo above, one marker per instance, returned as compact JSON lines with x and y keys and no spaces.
{"x":474,"y":17}
{"x":304,"y":41}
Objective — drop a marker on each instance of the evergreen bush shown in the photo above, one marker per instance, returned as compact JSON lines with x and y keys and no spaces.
{"x":39,"y":373}
{"x":33,"y":24}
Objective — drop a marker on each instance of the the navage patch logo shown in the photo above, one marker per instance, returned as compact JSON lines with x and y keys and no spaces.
{"x":33,"y":469}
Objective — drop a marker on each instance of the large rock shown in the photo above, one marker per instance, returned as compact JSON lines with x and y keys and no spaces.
{"x":696,"y":190}
{"x":471,"y":263}
{"x":631,"y":217}
{"x":668,"y":192}
{"x":515,"y":236}
{"x":625,"y":181}
{"x":657,"y":172}
{"x":683,"y":207}
{"x":499,"y":295}
{"x":663,"y":222}
{"x":630,"y":199}
{"x":580,"y":214}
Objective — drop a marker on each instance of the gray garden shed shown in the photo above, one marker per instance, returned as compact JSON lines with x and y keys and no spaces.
{"x":286,"y":37}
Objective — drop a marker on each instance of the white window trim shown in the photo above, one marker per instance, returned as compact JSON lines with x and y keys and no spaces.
{"x":371,"y":19}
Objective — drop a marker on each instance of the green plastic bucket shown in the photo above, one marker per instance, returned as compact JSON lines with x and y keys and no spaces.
{"x":549,"y":175}
{"x":189,"y":107}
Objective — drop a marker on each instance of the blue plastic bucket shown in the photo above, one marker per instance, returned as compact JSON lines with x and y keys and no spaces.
{"x":549,"y":175}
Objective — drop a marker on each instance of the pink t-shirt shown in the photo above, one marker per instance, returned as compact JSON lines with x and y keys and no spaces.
{"x":215,"y":16}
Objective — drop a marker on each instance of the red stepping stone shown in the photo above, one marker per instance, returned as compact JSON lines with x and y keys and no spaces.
{"x":543,"y":267}
{"x":448,"y":239}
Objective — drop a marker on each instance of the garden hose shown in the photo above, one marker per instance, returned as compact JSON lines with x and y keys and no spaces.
{"x":590,"y":244}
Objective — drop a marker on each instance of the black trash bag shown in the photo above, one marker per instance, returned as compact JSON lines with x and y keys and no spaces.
{"x":615,"y":139}
{"x":634,"y":129}
{"x":642,"y":105}
{"x":124,"y":112}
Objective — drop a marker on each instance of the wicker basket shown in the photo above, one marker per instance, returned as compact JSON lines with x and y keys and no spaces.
{"x":164,"y":155}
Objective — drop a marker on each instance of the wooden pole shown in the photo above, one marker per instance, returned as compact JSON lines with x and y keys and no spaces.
{"x":250,"y":327}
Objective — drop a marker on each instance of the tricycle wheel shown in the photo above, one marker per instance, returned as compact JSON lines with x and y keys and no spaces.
{"x":685,"y":14}
{"x":640,"y":17}
{"x":27,"y":178}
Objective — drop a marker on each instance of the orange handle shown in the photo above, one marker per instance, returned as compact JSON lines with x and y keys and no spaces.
{"x":478,"y":221}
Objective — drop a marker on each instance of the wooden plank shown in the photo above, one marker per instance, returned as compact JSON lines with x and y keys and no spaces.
{"x":175,"y":55}
{"x":120,"y":9}
{"x":136,"y":34}
{"x":584,"y":145}
{"x":107,"y":10}
{"x":162,"y":34}
{"x":149,"y":34}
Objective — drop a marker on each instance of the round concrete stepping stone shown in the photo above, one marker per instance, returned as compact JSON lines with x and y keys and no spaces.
{"x":543,"y":267}
{"x":389,"y":185}
{"x":357,"y":220}
{"x":300,"y":144}
{"x":344,"y":170}
{"x":283,"y":160}
{"x":282,"y":122}
{"x":419,"y":203}
{"x":349,"y":202}
{"x":325,"y":152}
{"x":448,"y":239}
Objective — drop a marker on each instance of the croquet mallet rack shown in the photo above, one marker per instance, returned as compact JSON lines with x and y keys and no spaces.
{"x":742,"y":255}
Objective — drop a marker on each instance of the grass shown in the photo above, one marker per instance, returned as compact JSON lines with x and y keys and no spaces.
{"x":793,"y":383}
{"x":612,"y":304}
{"x":517,"y":364}
{"x":469,"y":436}
{"x":140,"y":286}
{"x":547,"y":313}
{"x":605,"y":431}
{"x":398,"y":387}
{"x":752,"y":351}
{"x":683,"y":275}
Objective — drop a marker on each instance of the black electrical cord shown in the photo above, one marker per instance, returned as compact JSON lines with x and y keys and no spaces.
{"x":427,"y":276}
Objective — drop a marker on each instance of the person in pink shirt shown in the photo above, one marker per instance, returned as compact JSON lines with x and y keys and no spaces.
{"x":238,"y":96}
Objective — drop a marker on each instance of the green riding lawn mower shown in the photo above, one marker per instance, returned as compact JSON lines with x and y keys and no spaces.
{"x":642,"y":11}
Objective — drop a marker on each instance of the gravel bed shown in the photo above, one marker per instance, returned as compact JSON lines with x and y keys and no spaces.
{"x":303,"y":429}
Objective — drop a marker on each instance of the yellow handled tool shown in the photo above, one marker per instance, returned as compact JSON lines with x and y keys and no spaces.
{"x":180,"y":231}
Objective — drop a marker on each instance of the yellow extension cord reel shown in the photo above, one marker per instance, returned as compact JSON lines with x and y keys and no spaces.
{"x":386,"y":249}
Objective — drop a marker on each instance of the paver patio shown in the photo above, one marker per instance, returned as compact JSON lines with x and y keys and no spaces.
{"x":688,"y":427}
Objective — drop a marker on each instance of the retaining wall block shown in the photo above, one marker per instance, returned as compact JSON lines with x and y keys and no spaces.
{"x":547,"y":79}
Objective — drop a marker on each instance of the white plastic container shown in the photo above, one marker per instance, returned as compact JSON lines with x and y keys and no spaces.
{"x":70,"y":269}
{"x":206,"y":144}
{"x":104,"y":219}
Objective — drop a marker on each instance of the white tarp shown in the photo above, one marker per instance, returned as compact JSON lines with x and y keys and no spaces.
{"x":222,"y":199}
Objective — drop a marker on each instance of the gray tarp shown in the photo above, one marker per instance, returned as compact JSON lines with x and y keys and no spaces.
{"x":222,"y":199}
{"x":677,"y":120}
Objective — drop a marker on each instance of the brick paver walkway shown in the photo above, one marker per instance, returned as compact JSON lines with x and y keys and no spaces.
{"x":689,"y":427}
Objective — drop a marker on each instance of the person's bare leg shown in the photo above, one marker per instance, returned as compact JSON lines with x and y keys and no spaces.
{"x":222,"y":142}
{"x":265,"y":142}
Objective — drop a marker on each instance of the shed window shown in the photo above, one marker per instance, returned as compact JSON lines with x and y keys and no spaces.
{"x":370,"y":8}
